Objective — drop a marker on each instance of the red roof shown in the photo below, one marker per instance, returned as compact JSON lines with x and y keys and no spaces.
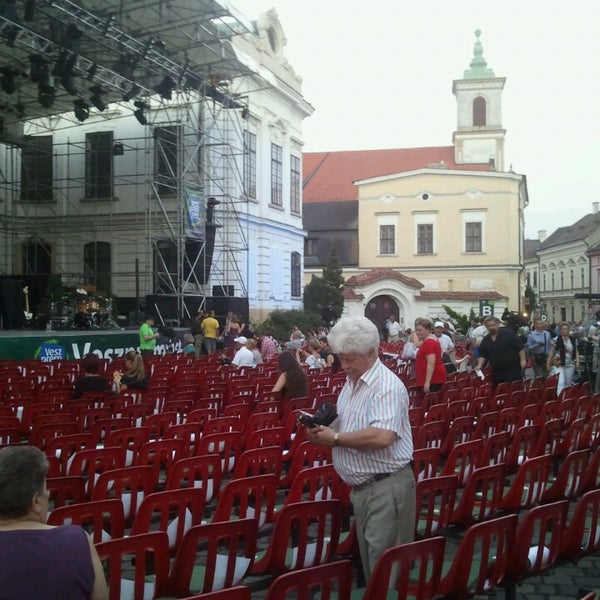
{"x":330,"y":176}
{"x":375,"y":275}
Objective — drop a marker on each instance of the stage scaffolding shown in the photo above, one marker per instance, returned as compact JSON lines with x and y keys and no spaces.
{"x":202,"y":126}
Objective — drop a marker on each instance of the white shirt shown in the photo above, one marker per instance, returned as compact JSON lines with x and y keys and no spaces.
{"x":394,"y":328}
{"x":479,"y":333}
{"x":446,"y":343}
{"x":243,"y":358}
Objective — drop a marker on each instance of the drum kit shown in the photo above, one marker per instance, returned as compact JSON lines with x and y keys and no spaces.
{"x":79,"y":310}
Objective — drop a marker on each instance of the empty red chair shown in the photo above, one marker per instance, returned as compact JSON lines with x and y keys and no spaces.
{"x":524,"y":445}
{"x":495,"y":449}
{"x":130,"y":438}
{"x":426,"y":462}
{"x":198,"y":471}
{"x":435,"y":498}
{"x":331,"y":581}
{"x":172,"y":511}
{"x":570,"y":479}
{"x":91,"y":462}
{"x":201,"y":566}
{"x":480,"y":561}
{"x":259,"y":461}
{"x":147,"y":554}
{"x":104,"y":519}
{"x":582,"y":536}
{"x":261,"y":438}
{"x":463,"y":460}
{"x":528,"y":485}
{"x":305,"y":455}
{"x":410,"y":570}
{"x":160,"y":455}
{"x":227,"y":445}
{"x":65,"y":490}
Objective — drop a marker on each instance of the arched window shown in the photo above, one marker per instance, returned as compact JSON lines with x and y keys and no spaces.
{"x":296,"y":275}
{"x":479,"y":112}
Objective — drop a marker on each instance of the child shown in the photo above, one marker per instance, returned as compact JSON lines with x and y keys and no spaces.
{"x":557,"y":369}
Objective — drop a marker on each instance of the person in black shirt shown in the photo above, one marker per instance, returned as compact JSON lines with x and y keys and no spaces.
{"x":91,"y":381}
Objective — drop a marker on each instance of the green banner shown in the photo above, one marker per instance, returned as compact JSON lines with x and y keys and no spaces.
{"x":56,"y":345}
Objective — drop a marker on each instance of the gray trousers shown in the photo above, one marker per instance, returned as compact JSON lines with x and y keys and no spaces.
{"x":385,"y":515}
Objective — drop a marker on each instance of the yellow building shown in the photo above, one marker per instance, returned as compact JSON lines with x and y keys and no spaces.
{"x":434,"y":226}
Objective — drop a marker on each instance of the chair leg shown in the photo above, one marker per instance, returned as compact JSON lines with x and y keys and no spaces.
{"x":510,"y":590}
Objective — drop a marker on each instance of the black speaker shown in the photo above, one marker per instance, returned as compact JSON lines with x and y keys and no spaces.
{"x":12,"y":303}
{"x":222,"y":290}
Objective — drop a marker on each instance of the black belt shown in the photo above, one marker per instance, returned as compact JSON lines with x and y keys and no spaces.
{"x":375,"y":478}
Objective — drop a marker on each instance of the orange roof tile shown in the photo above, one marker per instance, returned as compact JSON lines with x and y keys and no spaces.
{"x":330,"y":176}
{"x":472,"y":296}
{"x":378,"y":274}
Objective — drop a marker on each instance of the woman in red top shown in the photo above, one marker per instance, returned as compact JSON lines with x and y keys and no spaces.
{"x":430,"y":372}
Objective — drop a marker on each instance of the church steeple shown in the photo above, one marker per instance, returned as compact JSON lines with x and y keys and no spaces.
{"x":479,"y":137}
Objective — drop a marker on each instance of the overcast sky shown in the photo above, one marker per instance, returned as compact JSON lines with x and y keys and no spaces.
{"x":379,"y":75}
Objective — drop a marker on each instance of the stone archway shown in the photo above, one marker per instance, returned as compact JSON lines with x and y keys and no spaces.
{"x":378,"y":309}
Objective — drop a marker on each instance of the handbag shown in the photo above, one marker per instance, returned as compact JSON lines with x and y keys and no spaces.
{"x":409,"y":351}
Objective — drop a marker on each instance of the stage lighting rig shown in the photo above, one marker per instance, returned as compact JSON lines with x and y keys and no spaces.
{"x":139,"y":112}
{"x":8,"y":80}
{"x":165,"y":88}
{"x":81,"y":110}
{"x":96,"y":97}
{"x":46,"y":95}
{"x":130,"y":94}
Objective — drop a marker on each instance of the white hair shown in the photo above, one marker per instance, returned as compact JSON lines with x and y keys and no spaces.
{"x":354,"y":335}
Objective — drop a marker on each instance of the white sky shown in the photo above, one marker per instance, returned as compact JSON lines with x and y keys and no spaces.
{"x":379,"y":75}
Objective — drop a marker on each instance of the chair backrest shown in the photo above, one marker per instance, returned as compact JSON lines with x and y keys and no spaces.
{"x":494,"y":450}
{"x":261,"y":438}
{"x":305,"y":455}
{"x":480,"y":562}
{"x":463,"y":460}
{"x":426,"y":462}
{"x":162,"y":454}
{"x":435,"y":498}
{"x":148,"y":554}
{"x":571,"y":477}
{"x":582,"y":537}
{"x":524,"y":444}
{"x":228,"y":445}
{"x":198,"y":471}
{"x":103,"y":519}
{"x":259,"y":461}
{"x":305,"y":534}
{"x":540,"y":536}
{"x":129,"y":485}
{"x":528,"y":485}
{"x":318,"y":483}
{"x":172,"y":511}
{"x":411,"y":570}
{"x":91,"y":462}
{"x":65,"y":447}
{"x":248,"y":497}
{"x":65,"y":490}
{"x":201,"y":566}
{"x":330,"y":581}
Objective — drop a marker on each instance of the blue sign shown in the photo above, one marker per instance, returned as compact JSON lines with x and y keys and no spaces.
{"x":50,"y":352}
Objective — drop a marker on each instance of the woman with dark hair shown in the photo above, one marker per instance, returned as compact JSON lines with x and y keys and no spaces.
{"x":565,"y":346}
{"x":91,"y":381}
{"x":292,"y":383}
{"x":38,"y":560}
{"x":135,"y":378}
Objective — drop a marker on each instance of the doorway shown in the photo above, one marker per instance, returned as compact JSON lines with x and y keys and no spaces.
{"x":379,"y":309}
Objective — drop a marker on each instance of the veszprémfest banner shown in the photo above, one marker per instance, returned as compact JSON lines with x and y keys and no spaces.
{"x":195,"y":213}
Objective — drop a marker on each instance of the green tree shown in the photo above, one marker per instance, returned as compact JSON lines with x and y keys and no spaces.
{"x":530,"y":299}
{"x":280,"y":322}
{"x":462,"y":321}
{"x":323,"y":295}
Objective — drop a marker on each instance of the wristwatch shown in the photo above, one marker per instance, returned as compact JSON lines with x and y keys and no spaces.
{"x":336,"y":439}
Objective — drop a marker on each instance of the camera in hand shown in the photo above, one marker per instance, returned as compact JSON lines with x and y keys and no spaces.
{"x":325,"y":415}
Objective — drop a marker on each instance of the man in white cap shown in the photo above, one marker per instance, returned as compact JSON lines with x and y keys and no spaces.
{"x":243,"y":357}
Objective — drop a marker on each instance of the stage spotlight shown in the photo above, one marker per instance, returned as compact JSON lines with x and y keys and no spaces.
{"x":46,"y":95}
{"x":38,"y":69}
{"x":96,"y":97}
{"x":81,"y":110}
{"x":131,"y":93}
{"x":165,"y":87}
{"x":139,"y":112}
{"x":8,"y":80}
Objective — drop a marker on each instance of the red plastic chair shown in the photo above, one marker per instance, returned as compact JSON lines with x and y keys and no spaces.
{"x":104,"y":519}
{"x":43,"y":432}
{"x":161,"y":455}
{"x":540,"y":537}
{"x":435,"y":498}
{"x":570,"y":479}
{"x":582,"y":537}
{"x":228,"y":445}
{"x":528,"y":485}
{"x":198,"y":471}
{"x":486,"y":424}
{"x":65,"y":490}
{"x":331,"y":581}
{"x":148,"y":554}
{"x":65,"y":447}
{"x":248,"y":498}
{"x":239,"y":592}
{"x":201,"y":567}
{"x":305,"y":534}
{"x":172,"y":511}
{"x":91,"y":462}
{"x":426,"y":462}
{"x":524,"y":445}
{"x":259,"y":461}
{"x":592,"y":477}
{"x":481,"y":559}
{"x":495,"y":449}
{"x":549,"y":438}
{"x":430,"y":435}
{"x":129,"y":485}
{"x":130,"y":438}
{"x":410,"y":570}
{"x":463,"y":460}
{"x":261,"y":438}
{"x":305,"y":455}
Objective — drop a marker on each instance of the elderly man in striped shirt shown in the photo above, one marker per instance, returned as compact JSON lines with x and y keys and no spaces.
{"x":372,"y":442}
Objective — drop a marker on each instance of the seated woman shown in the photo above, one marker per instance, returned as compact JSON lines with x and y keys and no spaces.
{"x":292,"y":383}
{"x":188,"y":344}
{"x":38,"y":560}
{"x":312,"y":357}
{"x":91,"y":381}
{"x":135,"y":378}
{"x":253,"y":347}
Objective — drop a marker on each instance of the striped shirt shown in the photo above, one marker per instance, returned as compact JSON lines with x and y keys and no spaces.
{"x":378,"y":399}
{"x":268,"y":348}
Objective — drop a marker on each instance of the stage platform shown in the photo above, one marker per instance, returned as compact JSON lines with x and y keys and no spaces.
{"x":26,"y":344}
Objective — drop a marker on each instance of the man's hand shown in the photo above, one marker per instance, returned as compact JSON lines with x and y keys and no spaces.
{"x":321,"y":435}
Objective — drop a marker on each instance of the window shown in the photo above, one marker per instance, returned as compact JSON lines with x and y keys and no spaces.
{"x":99,"y":164}
{"x":97,"y":265}
{"x":296,"y":275}
{"x":37,"y":258}
{"x":562,"y":280}
{"x":36,"y":169}
{"x":572,"y":314}
{"x":387,"y":239}
{"x":276,"y":175}
{"x":582,"y":276}
{"x":249,"y":164}
{"x":166,"y":159}
{"x":572,"y":276}
{"x":479,"y":112}
{"x":535,"y":279}
{"x":552,"y":281}
{"x":473,"y":237}
{"x":544,"y":282}
{"x":295,"y":184}
{"x":425,"y":238}
{"x":311,"y":246}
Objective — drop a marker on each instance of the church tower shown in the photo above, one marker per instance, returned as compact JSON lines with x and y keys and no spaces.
{"x":479,"y":137}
